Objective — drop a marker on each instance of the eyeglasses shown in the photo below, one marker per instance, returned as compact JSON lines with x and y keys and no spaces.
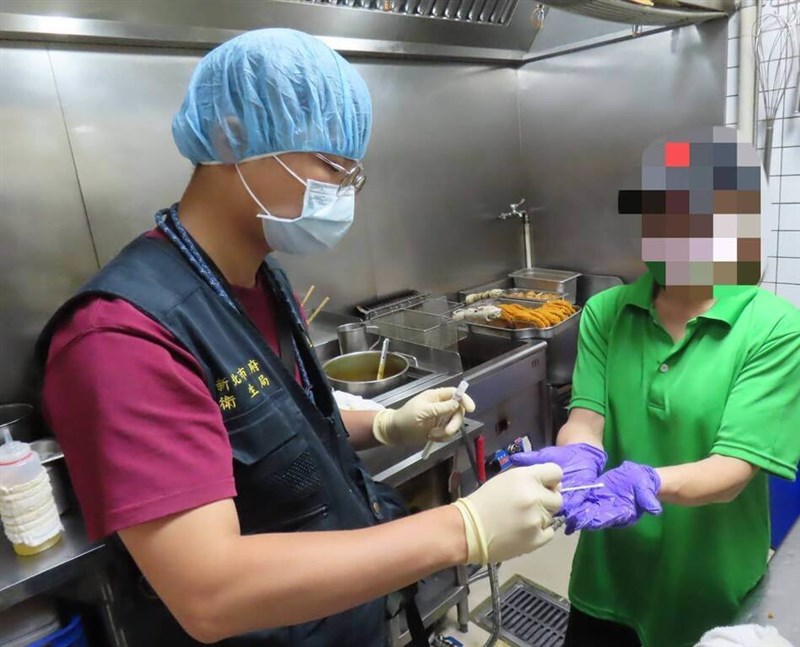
{"x":353,"y":177}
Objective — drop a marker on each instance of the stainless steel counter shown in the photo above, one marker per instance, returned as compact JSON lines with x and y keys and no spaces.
{"x":25,"y":577}
{"x":776,"y":599}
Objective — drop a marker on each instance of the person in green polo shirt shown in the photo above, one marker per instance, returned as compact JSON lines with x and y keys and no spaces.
{"x":687,"y":385}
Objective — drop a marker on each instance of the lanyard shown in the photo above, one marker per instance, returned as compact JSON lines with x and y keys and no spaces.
{"x":168,"y":222}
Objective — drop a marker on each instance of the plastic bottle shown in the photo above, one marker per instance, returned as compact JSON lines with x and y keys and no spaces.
{"x":21,"y":466}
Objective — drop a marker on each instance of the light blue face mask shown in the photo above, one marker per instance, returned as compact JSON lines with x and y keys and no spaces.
{"x":327,"y":215}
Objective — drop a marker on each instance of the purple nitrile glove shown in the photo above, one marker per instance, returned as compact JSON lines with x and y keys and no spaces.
{"x":580,"y":462}
{"x":630,"y":490}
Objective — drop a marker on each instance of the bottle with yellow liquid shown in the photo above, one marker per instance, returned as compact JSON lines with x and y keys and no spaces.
{"x":27,"y":508}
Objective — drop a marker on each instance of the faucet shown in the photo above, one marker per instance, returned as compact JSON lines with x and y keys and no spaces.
{"x":518,"y":212}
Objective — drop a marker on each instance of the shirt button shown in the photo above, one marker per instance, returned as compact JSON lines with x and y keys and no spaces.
{"x":376,"y":507}
{"x":663,"y":368}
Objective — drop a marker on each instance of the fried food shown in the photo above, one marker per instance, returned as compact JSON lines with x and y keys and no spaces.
{"x":533,"y":295}
{"x":480,"y":296}
{"x":478,"y":314}
{"x":550,"y":314}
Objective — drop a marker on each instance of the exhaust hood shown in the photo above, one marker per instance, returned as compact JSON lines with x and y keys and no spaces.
{"x":485,"y":31}
{"x":479,"y":30}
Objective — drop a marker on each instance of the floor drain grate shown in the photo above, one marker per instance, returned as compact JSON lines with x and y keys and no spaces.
{"x":532,"y":617}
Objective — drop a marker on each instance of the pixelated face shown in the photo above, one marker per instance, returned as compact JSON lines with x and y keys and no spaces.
{"x":700,"y":205}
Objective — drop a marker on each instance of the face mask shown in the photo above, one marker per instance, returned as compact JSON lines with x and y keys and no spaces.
{"x":326,"y":217}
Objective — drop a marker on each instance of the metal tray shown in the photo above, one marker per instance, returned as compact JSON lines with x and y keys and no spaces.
{"x":523,"y":334}
{"x":508,"y":288}
{"x":528,"y":303}
{"x":509,"y":294}
{"x":539,"y":278}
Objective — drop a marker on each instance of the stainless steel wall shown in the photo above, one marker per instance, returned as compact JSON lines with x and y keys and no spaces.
{"x":585,"y":119}
{"x":45,"y":243}
{"x":426,"y":204}
{"x":118,"y":108}
{"x":87,"y":157}
{"x":442,"y":164}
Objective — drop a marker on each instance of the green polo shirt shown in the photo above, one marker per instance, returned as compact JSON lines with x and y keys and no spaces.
{"x":730,"y":387}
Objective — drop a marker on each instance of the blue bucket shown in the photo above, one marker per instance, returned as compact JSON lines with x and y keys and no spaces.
{"x":70,"y":636}
{"x":784,"y":504}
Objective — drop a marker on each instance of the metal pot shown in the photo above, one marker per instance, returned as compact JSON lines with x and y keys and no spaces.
{"x":18,"y":419}
{"x":353,"y":337}
{"x":355,"y":373}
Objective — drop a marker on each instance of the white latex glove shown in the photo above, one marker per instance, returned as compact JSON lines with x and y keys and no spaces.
{"x":743,"y":636}
{"x":511,"y":514}
{"x":432,"y":415}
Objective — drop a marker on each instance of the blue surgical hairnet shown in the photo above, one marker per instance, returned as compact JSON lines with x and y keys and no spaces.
{"x":273,"y":91}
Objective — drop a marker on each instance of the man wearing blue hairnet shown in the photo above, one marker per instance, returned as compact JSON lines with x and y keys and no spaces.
{"x":196,"y":421}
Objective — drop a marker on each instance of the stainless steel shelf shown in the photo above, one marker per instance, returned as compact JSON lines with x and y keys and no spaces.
{"x":22,"y":578}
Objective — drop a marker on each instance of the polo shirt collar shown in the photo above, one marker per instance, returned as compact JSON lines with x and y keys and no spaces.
{"x":731,"y":302}
{"x":641,"y":292}
{"x":731,"y":299}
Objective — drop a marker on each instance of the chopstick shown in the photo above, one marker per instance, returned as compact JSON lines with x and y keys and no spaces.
{"x":307,"y":297}
{"x":319,"y":309}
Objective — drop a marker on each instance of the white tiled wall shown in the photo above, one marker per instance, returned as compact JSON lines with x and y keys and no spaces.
{"x":783,"y":270}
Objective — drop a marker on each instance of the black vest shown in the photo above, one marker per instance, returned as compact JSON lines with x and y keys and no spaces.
{"x":293,"y":465}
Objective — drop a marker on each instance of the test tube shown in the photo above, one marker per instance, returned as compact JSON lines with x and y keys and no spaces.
{"x":461,"y":389}
{"x":578,"y":488}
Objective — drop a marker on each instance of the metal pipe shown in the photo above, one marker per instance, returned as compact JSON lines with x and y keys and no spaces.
{"x":497,"y":608}
{"x":747,"y":108}
{"x":524,"y":216}
{"x":768,"y":134}
{"x":494,"y":584}
{"x":526,"y":236}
